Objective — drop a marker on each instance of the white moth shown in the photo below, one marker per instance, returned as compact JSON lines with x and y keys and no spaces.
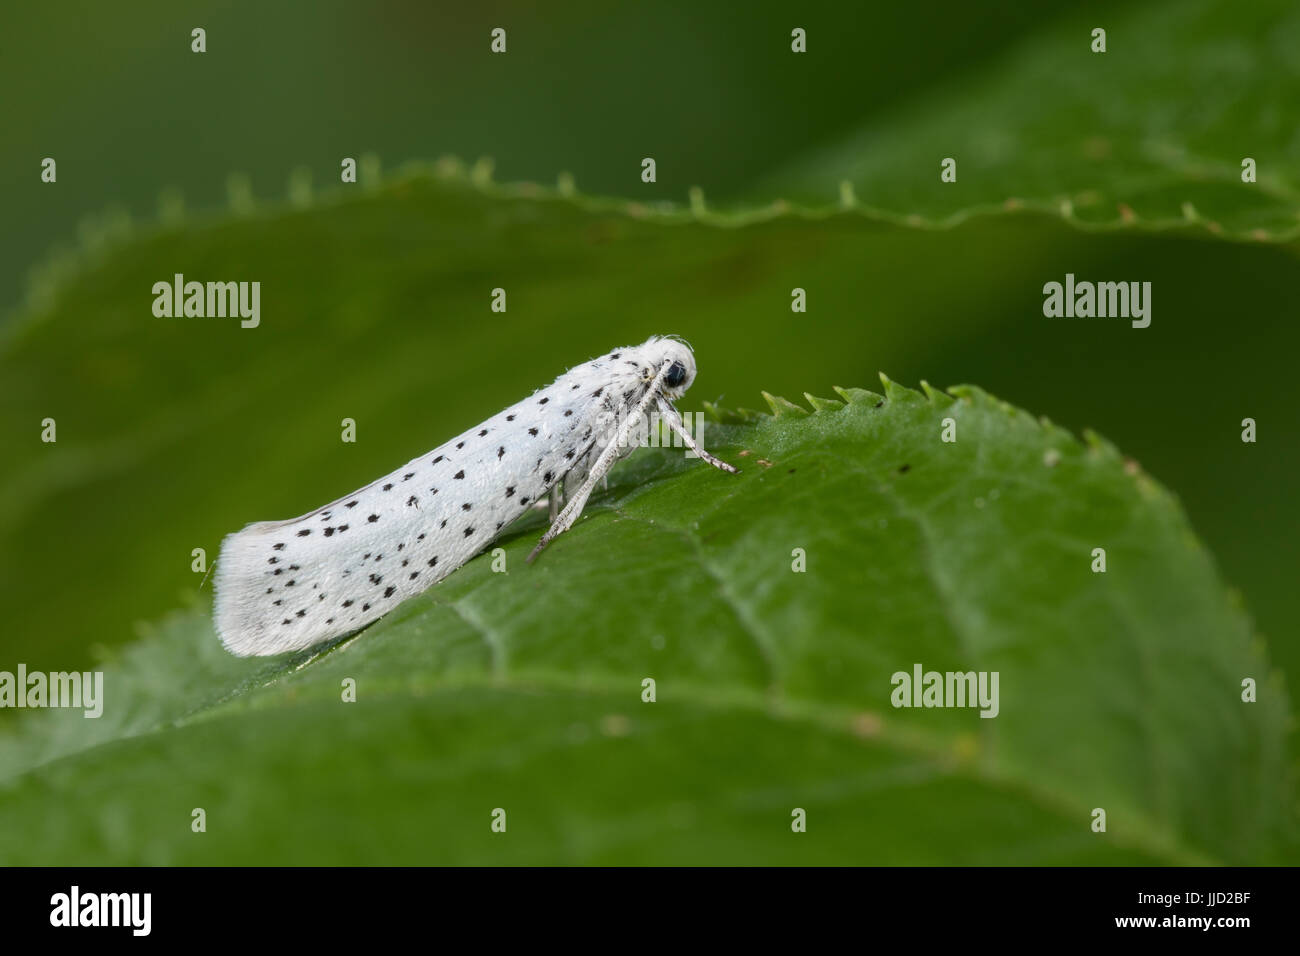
{"x":286,"y":585}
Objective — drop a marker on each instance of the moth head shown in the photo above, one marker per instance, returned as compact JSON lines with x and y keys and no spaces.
{"x":680,"y":361}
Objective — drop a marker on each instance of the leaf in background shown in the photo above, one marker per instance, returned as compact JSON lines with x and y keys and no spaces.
{"x":523,"y":690}
{"x":1151,"y":133}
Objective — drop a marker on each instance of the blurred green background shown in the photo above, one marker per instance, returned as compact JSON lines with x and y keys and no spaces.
{"x":1122,"y":166}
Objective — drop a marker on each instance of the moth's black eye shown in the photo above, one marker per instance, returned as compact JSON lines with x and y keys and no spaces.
{"x":676,"y":375}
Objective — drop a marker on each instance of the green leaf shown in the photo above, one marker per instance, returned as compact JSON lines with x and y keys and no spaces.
{"x":173,"y":432}
{"x":1150,"y":134}
{"x":523,"y":690}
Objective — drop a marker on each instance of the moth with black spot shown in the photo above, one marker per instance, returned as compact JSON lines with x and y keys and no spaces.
{"x":286,"y":585}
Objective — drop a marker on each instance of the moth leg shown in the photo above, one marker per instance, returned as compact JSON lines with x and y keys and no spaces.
{"x":555,"y":500}
{"x":608,"y":456}
{"x":674,"y":420}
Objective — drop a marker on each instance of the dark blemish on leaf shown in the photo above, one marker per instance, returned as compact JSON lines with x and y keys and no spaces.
{"x":878,"y":404}
{"x":904,"y":469}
